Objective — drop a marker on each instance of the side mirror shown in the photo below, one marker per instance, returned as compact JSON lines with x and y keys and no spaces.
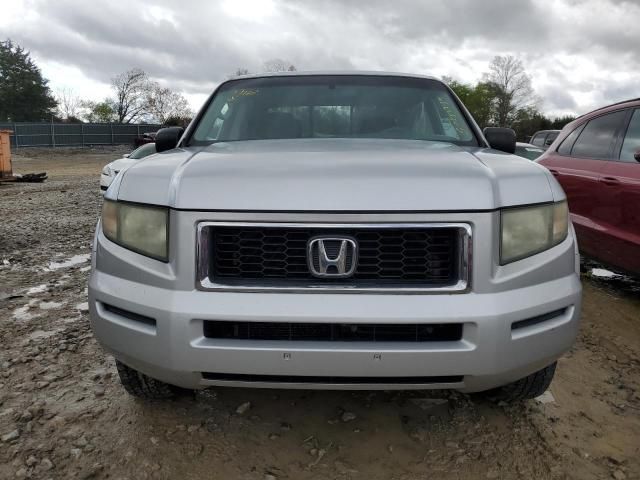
{"x":503,"y":139}
{"x":637,"y":156}
{"x":168,"y":138}
{"x":126,"y":155}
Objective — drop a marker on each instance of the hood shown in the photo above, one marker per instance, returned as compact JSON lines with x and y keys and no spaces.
{"x":335,"y":175}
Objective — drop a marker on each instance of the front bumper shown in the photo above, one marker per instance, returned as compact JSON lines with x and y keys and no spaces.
{"x":164,"y":337}
{"x":490,"y":352}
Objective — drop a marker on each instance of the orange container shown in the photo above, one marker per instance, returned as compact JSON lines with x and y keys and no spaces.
{"x":5,"y":154}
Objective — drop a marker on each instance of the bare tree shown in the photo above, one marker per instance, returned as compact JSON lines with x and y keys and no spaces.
{"x":512,"y":88}
{"x":241,"y":71}
{"x":278,"y":65}
{"x":163,"y":103}
{"x":130,"y":88}
{"x":238,"y":73}
{"x":69,"y":104}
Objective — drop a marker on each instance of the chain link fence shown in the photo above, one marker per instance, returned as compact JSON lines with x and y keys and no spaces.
{"x":74,"y":134}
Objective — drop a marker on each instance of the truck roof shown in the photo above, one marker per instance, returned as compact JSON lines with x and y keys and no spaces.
{"x":335,"y":72}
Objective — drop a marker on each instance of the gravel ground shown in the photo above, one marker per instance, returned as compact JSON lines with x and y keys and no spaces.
{"x":64,"y":415}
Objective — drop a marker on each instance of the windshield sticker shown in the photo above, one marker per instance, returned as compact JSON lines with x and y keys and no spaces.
{"x":245,"y":92}
{"x":452,"y":116}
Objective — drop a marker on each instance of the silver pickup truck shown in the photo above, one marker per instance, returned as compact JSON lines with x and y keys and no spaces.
{"x":335,"y":231}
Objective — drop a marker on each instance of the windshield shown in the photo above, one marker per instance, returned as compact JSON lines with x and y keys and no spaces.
{"x":143,"y":151}
{"x":343,"y":106}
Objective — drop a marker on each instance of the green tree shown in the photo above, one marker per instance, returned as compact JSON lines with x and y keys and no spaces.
{"x":100,"y":112}
{"x":462,"y":90}
{"x":24,"y":92}
{"x":528,"y":121}
{"x":560,"y":122}
{"x":479,"y":100}
{"x":177,"y":121}
{"x":486,"y":103}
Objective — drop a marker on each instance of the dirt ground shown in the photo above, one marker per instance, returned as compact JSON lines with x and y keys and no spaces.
{"x":64,"y":415}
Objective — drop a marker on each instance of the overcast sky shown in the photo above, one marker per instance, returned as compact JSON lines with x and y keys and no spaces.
{"x":581,"y":54}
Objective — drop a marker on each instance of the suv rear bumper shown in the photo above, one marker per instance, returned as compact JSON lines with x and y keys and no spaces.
{"x":162,"y":336}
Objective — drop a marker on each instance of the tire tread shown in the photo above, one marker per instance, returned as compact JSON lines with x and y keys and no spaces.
{"x":142,"y":386}
{"x":528,"y":387}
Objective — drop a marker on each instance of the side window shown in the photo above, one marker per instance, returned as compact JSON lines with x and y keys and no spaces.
{"x":598,"y":136}
{"x":567,"y":143}
{"x":550,"y":138}
{"x":631,"y":144}
{"x":538,"y":140}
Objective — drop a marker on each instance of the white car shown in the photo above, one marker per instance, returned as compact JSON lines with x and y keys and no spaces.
{"x":112,"y":169}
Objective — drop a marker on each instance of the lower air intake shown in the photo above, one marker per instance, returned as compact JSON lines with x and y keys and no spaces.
{"x":234,"y":377}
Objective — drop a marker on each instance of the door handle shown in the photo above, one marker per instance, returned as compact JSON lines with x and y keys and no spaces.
{"x":610,"y":181}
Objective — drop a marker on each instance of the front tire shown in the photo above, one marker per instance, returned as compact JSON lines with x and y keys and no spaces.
{"x":526,"y":388}
{"x":143,"y":386}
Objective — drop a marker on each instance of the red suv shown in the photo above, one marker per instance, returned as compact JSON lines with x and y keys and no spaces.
{"x":596,"y":159}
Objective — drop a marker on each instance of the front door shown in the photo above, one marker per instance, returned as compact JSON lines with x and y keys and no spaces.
{"x":620,"y":180}
{"x":578,"y":165}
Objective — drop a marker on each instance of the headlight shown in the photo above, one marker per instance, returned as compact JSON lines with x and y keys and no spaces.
{"x":106,"y":171}
{"x":530,"y":230}
{"x":140,"y":228}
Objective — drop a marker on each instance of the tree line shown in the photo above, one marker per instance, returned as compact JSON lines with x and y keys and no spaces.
{"x":135,"y":98}
{"x":25,"y":96}
{"x":503,"y":97}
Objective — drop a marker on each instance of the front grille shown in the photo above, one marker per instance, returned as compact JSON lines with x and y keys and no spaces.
{"x":247,"y":255}
{"x":336,"y":332}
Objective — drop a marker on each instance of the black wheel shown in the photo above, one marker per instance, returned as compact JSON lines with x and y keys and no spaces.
{"x":584,"y":265}
{"x":142,"y":386}
{"x":528,"y":387}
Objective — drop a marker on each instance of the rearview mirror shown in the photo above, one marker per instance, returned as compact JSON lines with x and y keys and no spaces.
{"x":503,"y":139}
{"x":168,"y":138}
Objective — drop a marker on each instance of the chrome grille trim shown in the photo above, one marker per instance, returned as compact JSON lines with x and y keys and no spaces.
{"x":205,"y":283}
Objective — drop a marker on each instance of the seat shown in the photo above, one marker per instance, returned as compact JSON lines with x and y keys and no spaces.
{"x":279,"y":125}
